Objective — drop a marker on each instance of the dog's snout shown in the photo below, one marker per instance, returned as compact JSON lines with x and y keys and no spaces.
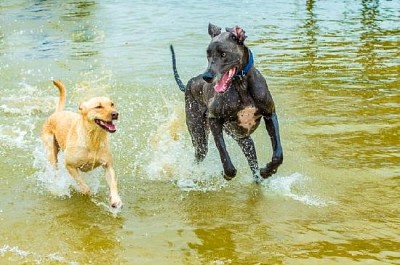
{"x":114,"y":115}
{"x":208,"y":76}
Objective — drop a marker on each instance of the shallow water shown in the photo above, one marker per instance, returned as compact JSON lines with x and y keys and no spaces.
{"x":333,"y":69}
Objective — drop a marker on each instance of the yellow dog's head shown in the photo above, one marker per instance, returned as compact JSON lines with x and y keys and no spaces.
{"x":100,"y":110}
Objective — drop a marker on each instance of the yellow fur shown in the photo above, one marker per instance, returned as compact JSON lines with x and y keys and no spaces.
{"x":85,"y":143}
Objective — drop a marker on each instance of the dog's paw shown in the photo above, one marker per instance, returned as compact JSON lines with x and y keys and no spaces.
{"x":271,"y":167}
{"x":116,"y":202}
{"x":116,"y":205}
{"x":269,"y":170}
{"x":85,"y":190}
{"x":230,"y":174}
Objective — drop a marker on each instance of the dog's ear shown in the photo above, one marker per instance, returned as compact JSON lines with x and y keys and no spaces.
{"x":82,"y":108}
{"x":237,"y":34}
{"x":213,"y":30}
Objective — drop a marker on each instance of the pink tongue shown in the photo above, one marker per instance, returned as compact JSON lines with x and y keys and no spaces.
{"x":110,"y":126}
{"x":222,"y":84}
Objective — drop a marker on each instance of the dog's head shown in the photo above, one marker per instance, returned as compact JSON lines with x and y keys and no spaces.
{"x":226,"y":56}
{"x":101,"y":111}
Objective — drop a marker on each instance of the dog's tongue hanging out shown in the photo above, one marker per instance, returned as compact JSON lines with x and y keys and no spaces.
{"x":225,"y":81}
{"x":107,"y":125}
{"x":110,"y":126}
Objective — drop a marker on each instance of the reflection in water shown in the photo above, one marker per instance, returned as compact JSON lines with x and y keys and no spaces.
{"x":216,"y":241}
{"x":355,"y":250}
{"x":357,"y":122}
{"x":230,"y":229}
{"x":87,"y":227}
{"x":217,"y":244}
{"x":79,"y":9}
{"x":311,"y":30}
{"x":368,"y":38}
{"x":85,"y":35}
{"x":40,"y":9}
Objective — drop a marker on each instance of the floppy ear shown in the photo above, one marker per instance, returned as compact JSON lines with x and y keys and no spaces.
{"x":213,"y":30}
{"x":237,"y":34}
{"x":82,"y":108}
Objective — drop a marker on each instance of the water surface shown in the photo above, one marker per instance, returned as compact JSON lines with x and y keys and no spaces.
{"x":333,"y":69}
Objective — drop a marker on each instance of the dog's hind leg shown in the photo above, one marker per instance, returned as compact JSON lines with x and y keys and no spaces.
{"x":197,"y":125}
{"x":51,"y":147}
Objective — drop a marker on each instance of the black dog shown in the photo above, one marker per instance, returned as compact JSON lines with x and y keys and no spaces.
{"x":230,"y":96}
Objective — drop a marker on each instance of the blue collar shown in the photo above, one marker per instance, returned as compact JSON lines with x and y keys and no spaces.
{"x":248,"y":66}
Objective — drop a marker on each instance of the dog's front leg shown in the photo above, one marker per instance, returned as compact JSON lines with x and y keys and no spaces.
{"x":216,"y":129}
{"x":115,"y":200}
{"x":75,"y":173}
{"x":272,"y":126}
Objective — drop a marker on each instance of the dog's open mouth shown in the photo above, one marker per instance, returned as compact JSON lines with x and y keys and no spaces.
{"x":225,"y":81}
{"x":109,"y":126}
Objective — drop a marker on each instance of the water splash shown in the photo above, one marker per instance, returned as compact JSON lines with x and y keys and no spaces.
{"x":203,"y":177}
{"x":294,"y":186}
{"x":59,"y":182}
{"x":27,"y":256}
{"x":113,"y":211}
{"x":14,"y":136}
{"x":167,"y":147}
{"x":28,"y":100}
{"x":22,"y":111}
{"x":171,"y":157}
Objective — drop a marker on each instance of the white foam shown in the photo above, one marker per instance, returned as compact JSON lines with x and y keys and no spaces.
{"x":21,"y":111}
{"x":28,"y":101}
{"x":294,"y":186}
{"x":202,"y":178}
{"x":27,"y":105}
{"x":29,"y":256}
{"x":13,"y":136}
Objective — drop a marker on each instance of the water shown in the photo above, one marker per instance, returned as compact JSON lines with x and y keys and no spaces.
{"x":333,"y":69}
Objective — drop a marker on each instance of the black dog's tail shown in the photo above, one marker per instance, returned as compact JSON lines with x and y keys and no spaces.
{"x":178,"y":80}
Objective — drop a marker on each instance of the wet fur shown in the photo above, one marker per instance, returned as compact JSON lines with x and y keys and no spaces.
{"x":237,"y":111}
{"x":85,"y":143}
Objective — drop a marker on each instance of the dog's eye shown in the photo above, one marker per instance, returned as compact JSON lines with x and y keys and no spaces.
{"x":223,"y":54}
{"x":112,"y":104}
{"x":99,"y":107}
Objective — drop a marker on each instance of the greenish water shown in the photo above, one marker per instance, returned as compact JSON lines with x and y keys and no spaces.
{"x":333,"y":69}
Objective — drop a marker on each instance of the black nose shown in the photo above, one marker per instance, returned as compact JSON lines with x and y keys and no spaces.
{"x":208,"y":76}
{"x":114,"y":115}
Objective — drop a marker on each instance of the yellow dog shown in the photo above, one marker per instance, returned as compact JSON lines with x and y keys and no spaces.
{"x":84,"y":139}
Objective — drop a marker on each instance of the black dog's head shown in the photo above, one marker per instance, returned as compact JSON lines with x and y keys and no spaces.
{"x":226,"y":56}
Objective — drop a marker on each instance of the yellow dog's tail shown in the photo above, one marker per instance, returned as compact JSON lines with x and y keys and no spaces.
{"x":61,"y":89}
